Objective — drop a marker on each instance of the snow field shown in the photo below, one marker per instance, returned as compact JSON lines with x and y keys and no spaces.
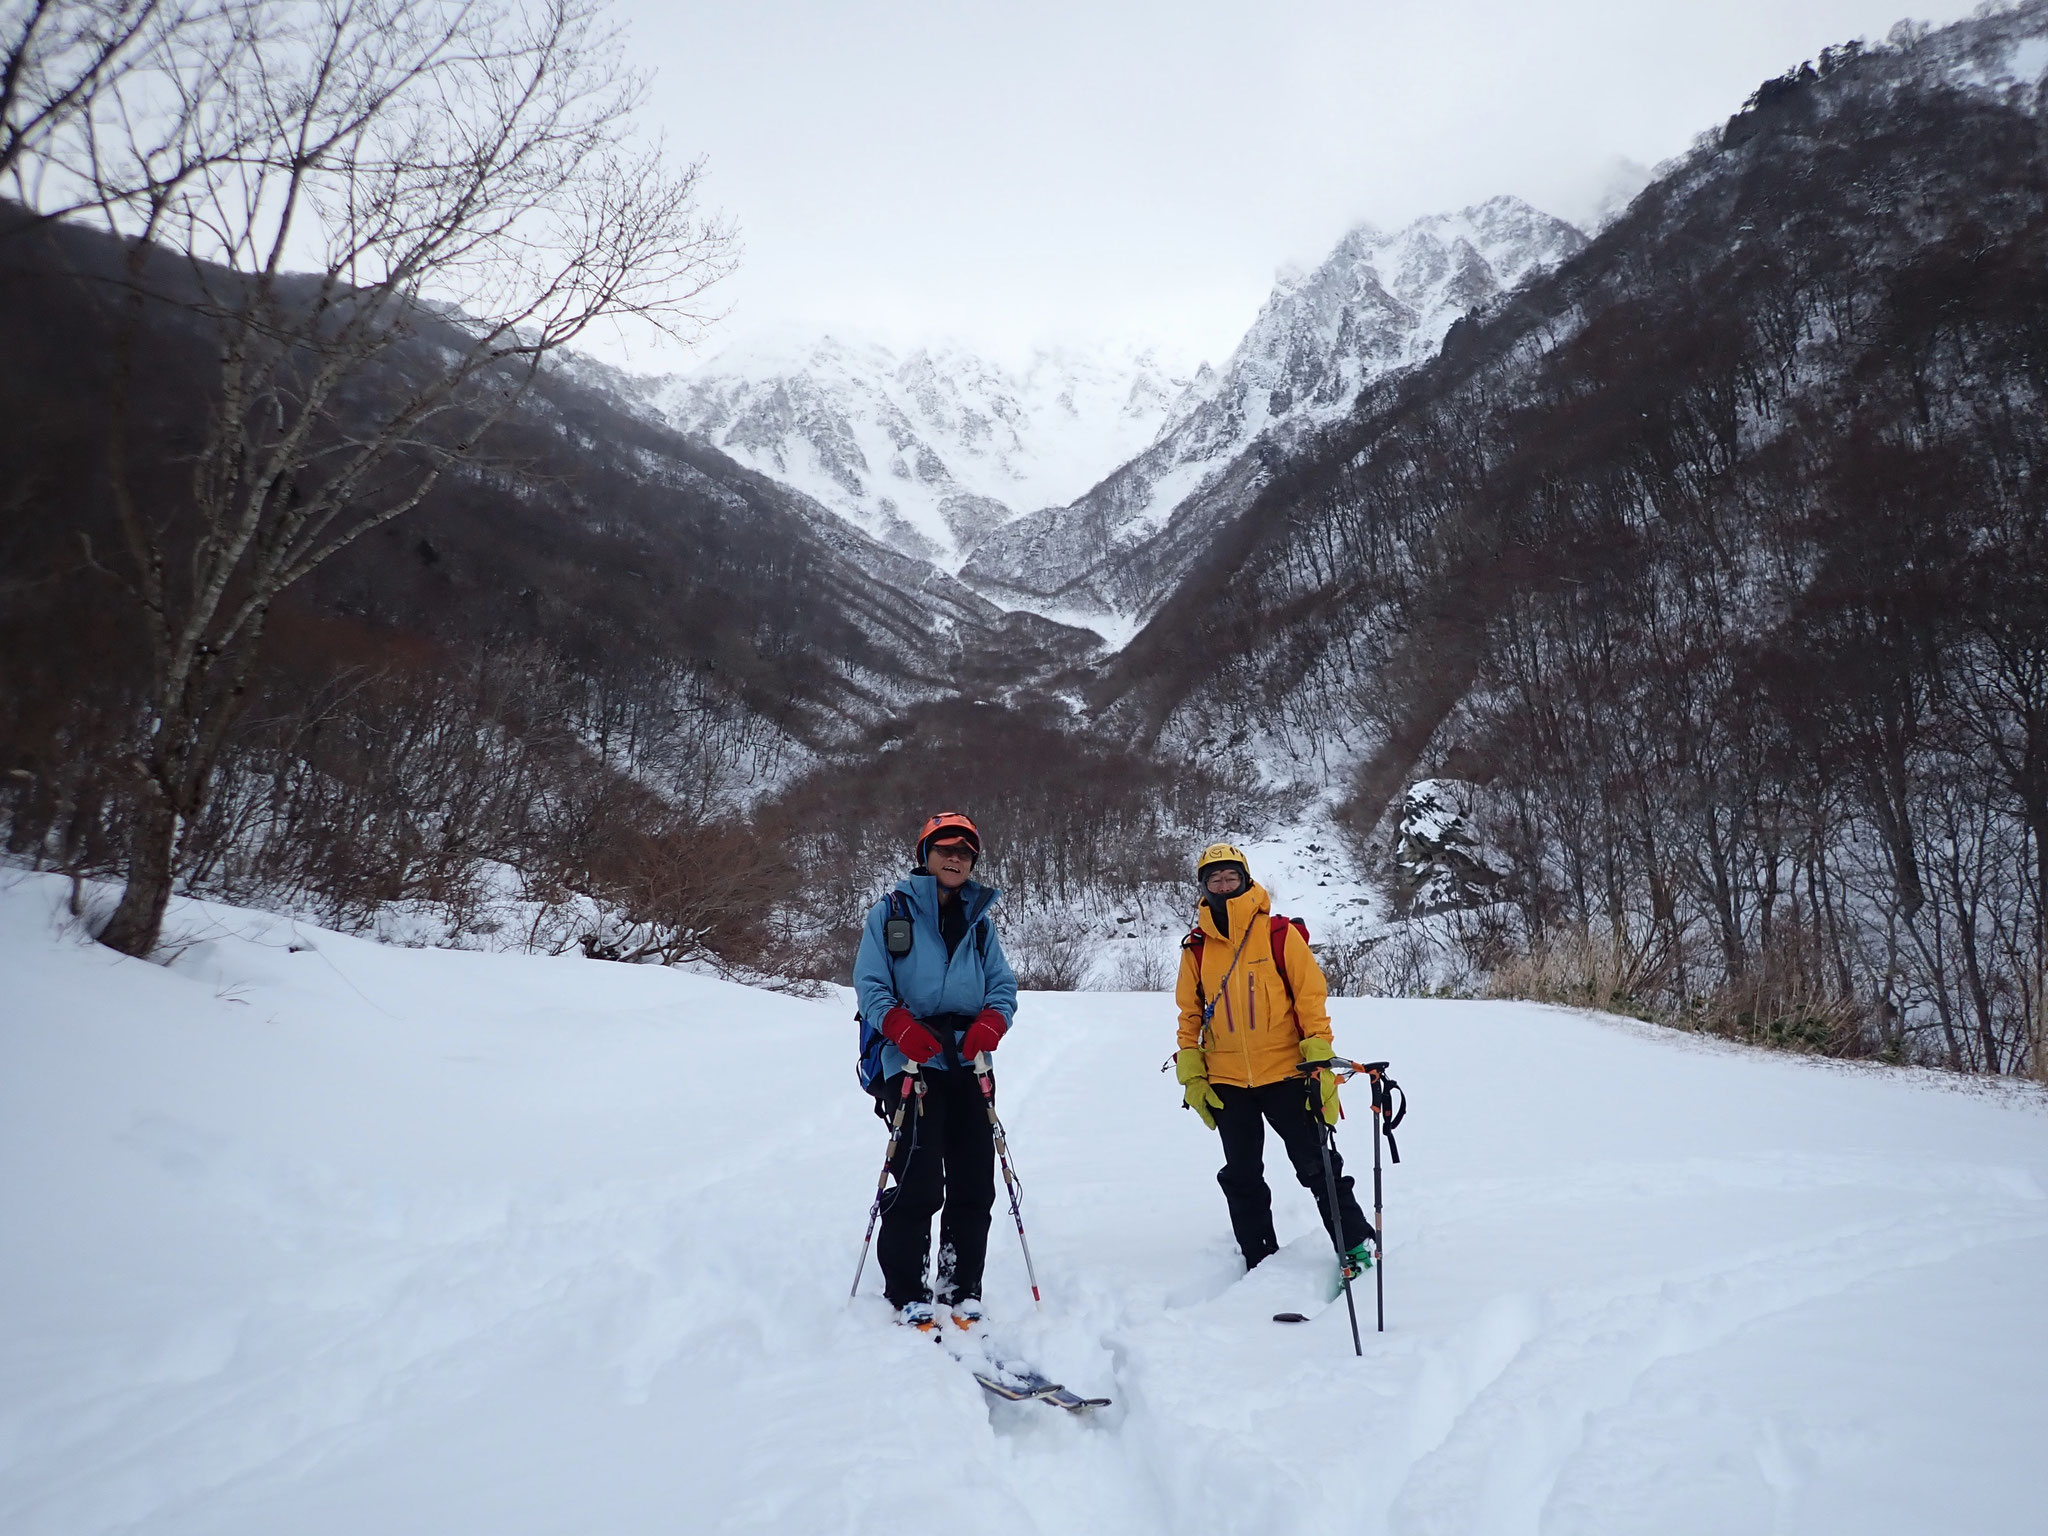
{"x":307,"y":1234}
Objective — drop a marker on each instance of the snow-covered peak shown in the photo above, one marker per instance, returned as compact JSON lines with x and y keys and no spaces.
{"x":1379,"y":301}
{"x":933,"y":448}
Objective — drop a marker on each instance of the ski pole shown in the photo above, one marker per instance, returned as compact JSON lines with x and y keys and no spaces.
{"x":1329,"y":1143}
{"x":1384,"y":1091}
{"x":985,"y":1075}
{"x":1384,"y":1118}
{"x":1386,"y":1115}
{"x":881,"y":1183}
{"x":1379,"y":1238}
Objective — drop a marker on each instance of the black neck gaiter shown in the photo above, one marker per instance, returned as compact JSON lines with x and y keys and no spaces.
{"x":952,"y":920}
{"x":1219,"y":909}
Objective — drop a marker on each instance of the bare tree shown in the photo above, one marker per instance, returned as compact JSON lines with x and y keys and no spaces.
{"x":71,"y":67}
{"x":386,"y":214}
{"x":55,"y":57}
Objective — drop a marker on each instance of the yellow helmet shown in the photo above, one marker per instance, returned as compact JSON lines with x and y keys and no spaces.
{"x":1222,"y":853}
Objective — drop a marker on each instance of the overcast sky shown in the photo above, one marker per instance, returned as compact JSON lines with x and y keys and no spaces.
{"x":1014,"y":172}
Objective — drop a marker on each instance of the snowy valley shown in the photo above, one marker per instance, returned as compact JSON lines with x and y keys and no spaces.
{"x":1625,"y":649}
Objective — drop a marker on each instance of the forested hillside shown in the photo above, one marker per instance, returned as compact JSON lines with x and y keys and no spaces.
{"x":566,"y":673}
{"x":1716,"y":567}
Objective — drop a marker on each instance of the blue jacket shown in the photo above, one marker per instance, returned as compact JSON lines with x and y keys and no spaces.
{"x":925,"y":981}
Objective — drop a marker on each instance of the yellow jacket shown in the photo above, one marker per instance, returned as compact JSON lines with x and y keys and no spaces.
{"x":1254,"y":1036}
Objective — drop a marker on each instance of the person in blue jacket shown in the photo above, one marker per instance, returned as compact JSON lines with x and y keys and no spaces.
{"x":950,"y":997}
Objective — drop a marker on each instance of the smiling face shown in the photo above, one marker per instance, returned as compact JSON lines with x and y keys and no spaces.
{"x":1223,"y":880}
{"x":950,"y":863}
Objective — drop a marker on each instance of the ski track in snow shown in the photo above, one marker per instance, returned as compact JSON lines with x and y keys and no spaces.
{"x":362,"y":1239}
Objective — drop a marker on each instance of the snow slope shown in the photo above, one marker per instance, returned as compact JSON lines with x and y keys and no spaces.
{"x":309,"y":1235}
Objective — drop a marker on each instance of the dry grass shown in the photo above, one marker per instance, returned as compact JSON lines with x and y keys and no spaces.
{"x":1578,"y":968}
{"x":1779,"y":1004}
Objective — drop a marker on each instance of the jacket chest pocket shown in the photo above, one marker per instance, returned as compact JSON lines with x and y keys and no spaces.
{"x":1257,"y":999}
{"x":1267,"y":993}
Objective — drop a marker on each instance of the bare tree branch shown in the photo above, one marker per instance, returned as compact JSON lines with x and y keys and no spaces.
{"x":388,"y":213}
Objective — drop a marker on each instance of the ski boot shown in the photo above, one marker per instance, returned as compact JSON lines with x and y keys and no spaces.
{"x":967,"y":1314}
{"x":920,"y":1315}
{"x":1354,"y":1264}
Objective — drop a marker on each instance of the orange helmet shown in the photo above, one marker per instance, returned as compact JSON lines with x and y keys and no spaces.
{"x":953,"y":826}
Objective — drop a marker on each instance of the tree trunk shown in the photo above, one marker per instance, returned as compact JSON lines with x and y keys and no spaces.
{"x":152,"y":863}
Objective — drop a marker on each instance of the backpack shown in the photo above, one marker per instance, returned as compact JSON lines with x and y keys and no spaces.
{"x":867,"y":1067}
{"x":1276,"y":936}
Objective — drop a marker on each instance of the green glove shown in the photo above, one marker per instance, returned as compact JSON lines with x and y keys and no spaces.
{"x":1315,"y":1048}
{"x":1193,"y":1071}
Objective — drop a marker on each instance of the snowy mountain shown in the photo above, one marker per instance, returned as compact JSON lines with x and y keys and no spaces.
{"x":308,"y":1234}
{"x":1379,"y":303}
{"x":932,"y":450}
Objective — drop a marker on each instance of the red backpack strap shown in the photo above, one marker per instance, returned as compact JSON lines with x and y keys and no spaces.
{"x":1278,"y":934}
{"x":1193,"y":945}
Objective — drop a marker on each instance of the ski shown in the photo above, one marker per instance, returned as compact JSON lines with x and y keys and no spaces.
{"x":1010,"y":1379}
{"x":1336,"y":1291}
{"x":1017,"y":1386}
{"x":1028,"y":1386}
{"x":1073,"y":1402}
{"x":1314,"y":1314}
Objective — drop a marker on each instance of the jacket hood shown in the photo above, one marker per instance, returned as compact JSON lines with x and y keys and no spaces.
{"x":923,"y":891}
{"x":1244,"y":908}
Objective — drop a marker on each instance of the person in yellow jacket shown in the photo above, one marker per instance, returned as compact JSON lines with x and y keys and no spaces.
{"x":1246,"y":1035}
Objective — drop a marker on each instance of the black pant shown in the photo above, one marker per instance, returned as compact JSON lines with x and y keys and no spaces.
{"x":1241,"y":1122}
{"x":946,"y":1157}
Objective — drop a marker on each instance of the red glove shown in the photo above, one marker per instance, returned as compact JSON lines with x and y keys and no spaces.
{"x":984,"y":1034}
{"x":909,"y":1036}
